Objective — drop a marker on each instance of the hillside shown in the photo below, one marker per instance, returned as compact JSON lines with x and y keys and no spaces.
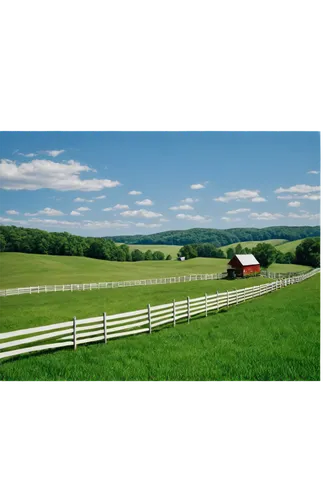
{"x":220,"y":237}
{"x":166,"y":249}
{"x":251,"y":244}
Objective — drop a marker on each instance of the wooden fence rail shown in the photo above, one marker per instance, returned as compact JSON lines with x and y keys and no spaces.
{"x":103,"y":328}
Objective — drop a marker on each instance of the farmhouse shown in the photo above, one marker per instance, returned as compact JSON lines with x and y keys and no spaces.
{"x":244,"y":264}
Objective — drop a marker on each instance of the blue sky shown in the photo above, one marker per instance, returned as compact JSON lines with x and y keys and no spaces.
{"x":112,"y":183}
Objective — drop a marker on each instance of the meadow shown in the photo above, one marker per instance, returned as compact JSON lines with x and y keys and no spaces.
{"x":251,"y":244}
{"x":274,"y":337}
{"x":166,"y":249}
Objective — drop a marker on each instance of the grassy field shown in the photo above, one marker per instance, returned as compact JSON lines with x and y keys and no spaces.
{"x":27,"y":311}
{"x":166,"y":249}
{"x":275,"y":337}
{"x":251,"y":244}
{"x":19,"y":269}
{"x":290,"y":246}
{"x":288,"y":268}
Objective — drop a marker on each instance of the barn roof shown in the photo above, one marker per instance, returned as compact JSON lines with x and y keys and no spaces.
{"x":247,"y":259}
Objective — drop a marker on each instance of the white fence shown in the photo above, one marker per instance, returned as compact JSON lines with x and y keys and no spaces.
{"x":103,"y":328}
{"x":269,"y":274}
{"x":112,"y":284}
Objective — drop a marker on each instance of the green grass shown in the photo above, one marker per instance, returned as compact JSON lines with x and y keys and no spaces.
{"x":28,"y":311}
{"x":275,"y":337}
{"x":290,"y":246}
{"x":251,"y":244}
{"x":166,"y":249}
{"x":19,"y":269}
{"x":288,"y":268}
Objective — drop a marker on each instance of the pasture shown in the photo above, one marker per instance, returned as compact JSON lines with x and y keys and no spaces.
{"x":290,"y":246}
{"x":20,"y":269}
{"x":166,"y":249}
{"x":274,"y":337}
{"x":251,"y":244}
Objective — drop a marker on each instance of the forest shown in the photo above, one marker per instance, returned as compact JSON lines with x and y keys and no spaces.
{"x":221,"y":237}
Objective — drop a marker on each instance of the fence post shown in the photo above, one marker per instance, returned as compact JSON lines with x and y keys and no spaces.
{"x":174,"y":312}
{"x":149,"y":318}
{"x":30,"y":290}
{"x":236,"y":297}
{"x":63,"y":288}
{"x":74,"y":333}
{"x":71,"y":288}
{"x":217,"y":301}
{"x":206,"y":308}
{"x":104,"y":327}
{"x":188,"y":310}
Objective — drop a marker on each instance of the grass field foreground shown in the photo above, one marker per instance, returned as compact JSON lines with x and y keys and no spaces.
{"x":274,"y":337}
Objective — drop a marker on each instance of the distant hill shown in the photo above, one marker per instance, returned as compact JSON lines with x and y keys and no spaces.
{"x":220,"y":237}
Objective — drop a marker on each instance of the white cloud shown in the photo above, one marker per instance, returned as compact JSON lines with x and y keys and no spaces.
{"x":311,"y":197}
{"x":229,"y":219}
{"x":85,"y":224}
{"x":116,"y":207}
{"x":164,"y":220}
{"x":313,"y":172}
{"x":8,"y":220}
{"x":28,"y":155}
{"x":303,"y":215}
{"x":242,"y":194}
{"x":197,"y":186}
{"x":135,"y":193}
{"x":143,"y":224}
{"x":41,"y":174}
{"x":83,"y":209}
{"x":82,"y":200}
{"x":298,"y":189}
{"x":225,"y":218}
{"x":294,"y":204}
{"x":238,"y":211}
{"x":258,"y":199}
{"x":189,"y":200}
{"x":100,"y":197}
{"x":12,"y":212}
{"x":46,"y":211}
{"x":265,"y":216}
{"x":193,"y":217}
{"x":145,"y":202}
{"x":73,"y":212}
{"x":140,"y":213}
{"x":53,"y":152}
{"x":182,"y":207}
{"x":285,"y":197}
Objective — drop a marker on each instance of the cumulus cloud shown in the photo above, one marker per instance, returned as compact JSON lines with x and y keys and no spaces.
{"x":83,"y":209}
{"x":46,"y":211}
{"x":298,"y":189}
{"x":135,"y":193}
{"x":294,"y":204}
{"x":229,"y":219}
{"x":189,"y":200}
{"x":8,"y":220}
{"x":238,"y":211}
{"x":197,"y":186}
{"x":182,"y":207}
{"x":100,"y":197}
{"x":145,"y":202}
{"x":303,"y":215}
{"x":116,"y":207}
{"x":143,"y":224}
{"x":85,"y":224}
{"x":313,"y":172}
{"x":164,"y":220}
{"x":241,"y":195}
{"x":53,"y":152}
{"x":265,"y":216}
{"x":41,"y":174}
{"x":193,"y":217}
{"x":82,"y":200}
{"x":140,"y":213}
{"x":12,"y":212}
{"x":73,"y":212}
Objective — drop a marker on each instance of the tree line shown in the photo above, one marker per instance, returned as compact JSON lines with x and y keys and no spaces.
{"x":27,"y":240}
{"x":221,"y":237}
{"x":307,"y":253}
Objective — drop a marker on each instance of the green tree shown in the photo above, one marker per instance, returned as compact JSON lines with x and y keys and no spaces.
{"x":230,"y":253}
{"x":238,"y":249}
{"x":188,"y":251}
{"x":265,"y":254}
{"x":308,"y":252}
{"x":168,"y":257}
{"x":2,"y":243}
{"x":157,"y":255}
{"x":148,"y":255}
{"x":137,"y":255}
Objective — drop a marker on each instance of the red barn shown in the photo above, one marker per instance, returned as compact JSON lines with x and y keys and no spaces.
{"x":244,"y":264}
